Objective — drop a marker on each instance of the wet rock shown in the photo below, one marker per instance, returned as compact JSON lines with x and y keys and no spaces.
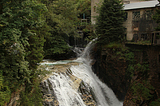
{"x":49,"y":97}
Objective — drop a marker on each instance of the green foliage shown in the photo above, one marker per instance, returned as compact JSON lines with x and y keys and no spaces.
{"x":141,"y":68}
{"x":130,"y":70}
{"x":35,"y":49}
{"x":28,"y":30}
{"x":89,"y":32}
{"x":155,"y":103}
{"x":146,"y":42}
{"x":84,"y":7}
{"x":18,"y":19}
{"x":4,"y":95}
{"x":4,"y":92}
{"x":32,"y":98}
{"x":109,"y":24}
{"x":142,"y":90}
{"x":61,"y":18}
{"x":55,"y":45}
{"x":130,"y":57}
{"x":113,"y":45}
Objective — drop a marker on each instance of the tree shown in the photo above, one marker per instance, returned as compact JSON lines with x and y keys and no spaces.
{"x":61,"y":18}
{"x":18,"y":20}
{"x":84,"y":7}
{"x":109,"y":26}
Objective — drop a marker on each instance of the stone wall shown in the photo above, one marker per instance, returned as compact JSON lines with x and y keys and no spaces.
{"x":151,"y":56}
{"x":112,"y":69}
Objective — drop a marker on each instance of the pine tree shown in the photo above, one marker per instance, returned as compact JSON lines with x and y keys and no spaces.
{"x":109,"y":22}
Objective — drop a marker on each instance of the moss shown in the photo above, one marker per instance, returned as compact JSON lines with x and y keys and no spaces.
{"x":113,"y":45}
{"x":146,"y":42}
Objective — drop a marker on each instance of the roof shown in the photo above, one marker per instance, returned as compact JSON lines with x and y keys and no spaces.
{"x":139,"y":5}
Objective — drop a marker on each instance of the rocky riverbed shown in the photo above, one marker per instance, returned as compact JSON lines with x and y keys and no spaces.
{"x":49,"y":93}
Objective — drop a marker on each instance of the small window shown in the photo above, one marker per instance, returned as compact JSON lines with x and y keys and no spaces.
{"x":94,"y":9}
{"x":157,"y":36}
{"x":136,"y":15}
{"x":148,"y":14}
{"x":125,"y":16}
{"x":143,"y":36}
{"x":135,"y":38}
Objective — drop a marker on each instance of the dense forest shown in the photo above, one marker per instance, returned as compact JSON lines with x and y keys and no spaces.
{"x":31,"y":30}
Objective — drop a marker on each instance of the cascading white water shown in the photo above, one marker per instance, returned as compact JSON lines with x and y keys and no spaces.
{"x":65,"y":87}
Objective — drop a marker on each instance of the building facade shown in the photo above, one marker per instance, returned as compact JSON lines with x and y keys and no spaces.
{"x":94,"y":6}
{"x":96,"y":3}
{"x":139,"y":23}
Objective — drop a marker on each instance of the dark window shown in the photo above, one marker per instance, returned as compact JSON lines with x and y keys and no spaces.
{"x":152,"y":37}
{"x":125,"y":35}
{"x":136,"y":15}
{"x":157,"y":36}
{"x":143,"y":36}
{"x":125,"y":16}
{"x":135,"y":37}
{"x":148,"y":14}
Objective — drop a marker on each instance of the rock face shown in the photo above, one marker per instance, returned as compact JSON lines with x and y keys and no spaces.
{"x":145,"y":84}
{"x":136,"y":81}
{"x":15,"y":97}
{"x":111,"y":70}
{"x":49,"y":95}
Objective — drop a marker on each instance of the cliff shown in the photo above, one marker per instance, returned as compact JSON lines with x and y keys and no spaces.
{"x":111,"y":67}
{"x":131,"y":71}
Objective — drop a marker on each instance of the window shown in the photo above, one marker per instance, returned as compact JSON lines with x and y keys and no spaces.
{"x":136,"y":15}
{"x":125,"y":16}
{"x":135,"y":37}
{"x":143,"y":36}
{"x":94,"y":9}
{"x":148,"y":14}
{"x":157,"y":36}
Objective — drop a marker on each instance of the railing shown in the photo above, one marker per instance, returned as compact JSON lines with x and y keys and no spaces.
{"x":153,"y":38}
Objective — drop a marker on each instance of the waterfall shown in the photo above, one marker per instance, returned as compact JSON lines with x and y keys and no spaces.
{"x":75,"y":84}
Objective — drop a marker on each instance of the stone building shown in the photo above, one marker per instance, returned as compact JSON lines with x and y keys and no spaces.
{"x":139,"y":23}
{"x":96,"y":3}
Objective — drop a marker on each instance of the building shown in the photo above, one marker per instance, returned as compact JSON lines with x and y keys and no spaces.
{"x":96,"y":3}
{"x":139,"y":23}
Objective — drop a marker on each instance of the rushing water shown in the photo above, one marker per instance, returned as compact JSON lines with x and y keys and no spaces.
{"x":77,"y":85}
